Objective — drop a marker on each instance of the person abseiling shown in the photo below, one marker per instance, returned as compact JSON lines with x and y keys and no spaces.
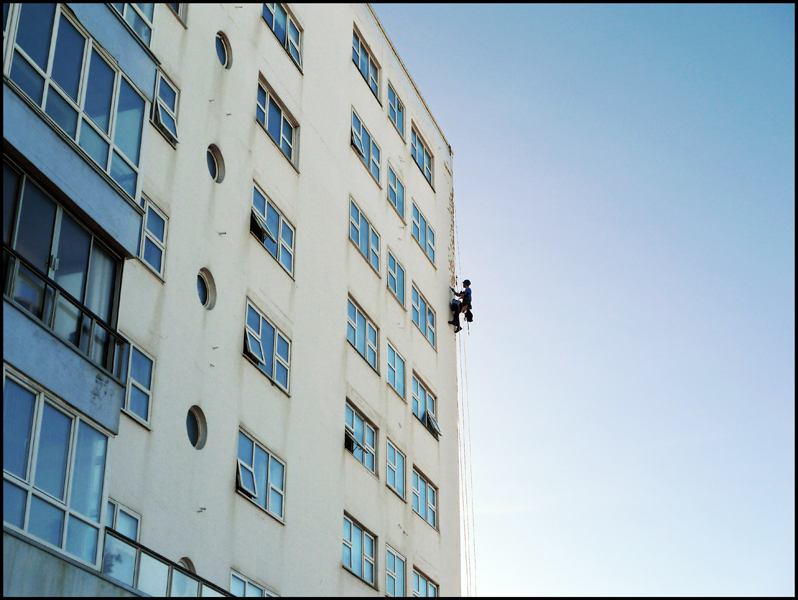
{"x":464,"y":305}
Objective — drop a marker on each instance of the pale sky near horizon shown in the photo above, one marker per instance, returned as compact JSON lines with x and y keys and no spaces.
{"x":624,"y":180}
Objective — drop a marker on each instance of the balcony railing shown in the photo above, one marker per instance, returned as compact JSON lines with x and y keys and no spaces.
{"x":31,"y":290}
{"x":142,"y":569}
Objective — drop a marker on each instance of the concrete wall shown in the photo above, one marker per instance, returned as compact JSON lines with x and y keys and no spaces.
{"x":30,"y":569}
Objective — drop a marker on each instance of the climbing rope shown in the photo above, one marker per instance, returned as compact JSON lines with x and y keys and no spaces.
{"x":464,"y":446}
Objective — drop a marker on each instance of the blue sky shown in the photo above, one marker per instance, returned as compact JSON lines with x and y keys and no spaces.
{"x":624,"y":182}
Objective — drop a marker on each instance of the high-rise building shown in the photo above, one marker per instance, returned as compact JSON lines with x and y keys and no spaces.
{"x":227,"y":247}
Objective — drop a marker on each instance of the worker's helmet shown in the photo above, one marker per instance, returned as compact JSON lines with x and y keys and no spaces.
{"x":466,"y":282}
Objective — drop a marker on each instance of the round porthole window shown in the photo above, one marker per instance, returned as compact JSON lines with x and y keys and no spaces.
{"x":215,"y":163}
{"x":223,"y":50}
{"x":206,"y":289}
{"x":196,"y":427}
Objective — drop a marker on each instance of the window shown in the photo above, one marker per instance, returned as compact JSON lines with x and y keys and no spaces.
{"x":396,"y":471}
{"x":364,"y":236}
{"x":261,"y":476}
{"x":396,"y":192}
{"x":423,"y":316}
{"x":358,"y":550}
{"x":223,"y":51}
{"x":423,"y":233}
{"x":138,"y":394}
{"x":423,"y":587}
{"x":396,"y":110}
{"x":396,"y":371}
{"x":365,"y":63}
{"x":394,"y":573}
{"x":275,"y":120}
{"x":365,"y":146}
{"x":396,"y":278}
{"x":281,"y":22}
{"x":122,"y":520}
{"x":421,"y":155}
{"x":152,"y":244}
{"x":76,"y":86}
{"x":180,"y":11}
{"x":424,"y":498}
{"x":362,"y":334}
{"x":272,"y":229}
{"x":267,"y":346}
{"x":53,"y":471}
{"x":213,"y":157}
{"x":60,"y":273}
{"x":243,"y":586}
{"x":139,"y":17}
{"x":423,"y":401}
{"x":165,"y":110}
{"x":360,"y":438}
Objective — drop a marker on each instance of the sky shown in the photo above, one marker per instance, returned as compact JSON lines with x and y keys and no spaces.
{"x":624,"y":180}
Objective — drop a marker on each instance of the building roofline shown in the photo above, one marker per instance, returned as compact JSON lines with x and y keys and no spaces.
{"x":413,"y":83}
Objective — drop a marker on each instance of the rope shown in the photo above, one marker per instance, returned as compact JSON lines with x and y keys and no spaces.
{"x":465,"y":459}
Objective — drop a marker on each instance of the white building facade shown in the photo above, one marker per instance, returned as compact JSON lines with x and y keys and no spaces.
{"x":289,"y":406}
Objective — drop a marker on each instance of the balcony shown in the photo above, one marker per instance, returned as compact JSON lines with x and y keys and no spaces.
{"x":55,"y":339}
{"x":142,"y":569}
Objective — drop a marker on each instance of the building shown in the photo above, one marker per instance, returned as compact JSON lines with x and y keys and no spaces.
{"x":227,"y":248}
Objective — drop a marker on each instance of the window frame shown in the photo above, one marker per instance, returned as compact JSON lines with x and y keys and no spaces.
{"x":364,"y":560}
{"x":133,"y":383}
{"x":285,"y":118}
{"x":364,"y":48}
{"x":27,"y":483}
{"x":398,"y":183}
{"x":373,"y":251}
{"x":276,"y":358}
{"x":91,"y":48}
{"x":395,"y":275}
{"x":357,"y":144}
{"x":429,"y":507}
{"x":270,"y":487}
{"x":417,"y":143}
{"x":418,"y":219}
{"x":146,"y":234}
{"x":393,"y":467}
{"x":398,"y":108}
{"x":181,"y":13}
{"x":118,"y":507}
{"x":392,"y":574}
{"x":367,"y":343}
{"x":416,"y":310}
{"x":172,"y":138}
{"x":429,"y":584}
{"x":149,"y":23}
{"x":288,"y":43}
{"x":392,"y":368}
{"x":265,"y":592}
{"x":417,"y":385}
{"x":262,"y":223}
{"x":366,"y":449}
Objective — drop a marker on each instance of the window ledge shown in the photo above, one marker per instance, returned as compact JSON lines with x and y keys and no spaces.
{"x":172,"y":143}
{"x":424,"y":251}
{"x":401,"y":135}
{"x":398,"y":214}
{"x":372,"y":473}
{"x":425,"y":335}
{"x":364,"y":258}
{"x":359,"y":578}
{"x":269,"y":379}
{"x":152,"y":271}
{"x":274,"y":259}
{"x":395,"y":392}
{"x":396,"y":493}
{"x":137,"y":419}
{"x":260,"y":508}
{"x":395,"y":297}
{"x":291,"y":58}
{"x":360,"y":160}
{"x":280,"y":150}
{"x":429,"y":432}
{"x":435,"y":529}
{"x":361,"y":356}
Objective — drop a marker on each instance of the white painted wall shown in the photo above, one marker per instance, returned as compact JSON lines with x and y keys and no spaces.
{"x":198,"y":352}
